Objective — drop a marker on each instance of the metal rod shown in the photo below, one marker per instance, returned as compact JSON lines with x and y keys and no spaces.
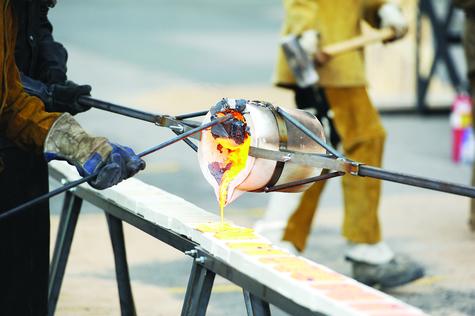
{"x":190,"y":115}
{"x":186,"y":134}
{"x":303,"y":181}
{"x":141,"y":115}
{"x":188,"y":142}
{"x":309,"y":133}
{"x":133,"y":113}
{"x":46,"y":196}
{"x":75,"y":183}
{"x":437,"y":185}
{"x":118,"y":109}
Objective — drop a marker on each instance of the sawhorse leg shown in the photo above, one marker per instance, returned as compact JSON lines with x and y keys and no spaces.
{"x":67,"y":225}
{"x":255,"y":306}
{"x":127,"y":306}
{"x":198,"y":291}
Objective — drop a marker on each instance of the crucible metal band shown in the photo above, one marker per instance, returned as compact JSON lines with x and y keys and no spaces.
{"x":283,"y":138}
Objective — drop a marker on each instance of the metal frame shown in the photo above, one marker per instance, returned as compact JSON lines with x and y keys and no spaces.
{"x":67,"y":225}
{"x":257,"y":296}
{"x":443,"y":41}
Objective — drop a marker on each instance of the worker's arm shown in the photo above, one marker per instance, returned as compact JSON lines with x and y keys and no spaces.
{"x":58,"y":97}
{"x":59,"y":94}
{"x":52,"y":56}
{"x":22,"y":117}
{"x":24,"y":121}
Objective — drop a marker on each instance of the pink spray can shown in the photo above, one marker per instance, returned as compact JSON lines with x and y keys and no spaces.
{"x":462,"y":134}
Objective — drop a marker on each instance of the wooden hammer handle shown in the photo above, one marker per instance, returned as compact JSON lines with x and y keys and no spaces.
{"x":358,"y":42}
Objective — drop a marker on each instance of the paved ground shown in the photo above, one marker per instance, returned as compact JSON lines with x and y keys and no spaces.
{"x":177,"y":56}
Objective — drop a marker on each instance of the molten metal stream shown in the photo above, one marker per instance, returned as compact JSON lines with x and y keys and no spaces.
{"x":236,"y":158}
{"x":234,"y":153}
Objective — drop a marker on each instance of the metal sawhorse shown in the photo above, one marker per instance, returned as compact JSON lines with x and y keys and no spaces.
{"x":444,"y":39}
{"x":257,"y":296}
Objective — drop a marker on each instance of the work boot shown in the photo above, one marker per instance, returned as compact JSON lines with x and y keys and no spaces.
{"x":398,"y":271}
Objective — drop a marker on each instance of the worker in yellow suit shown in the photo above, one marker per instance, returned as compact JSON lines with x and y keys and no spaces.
{"x":354,"y":121}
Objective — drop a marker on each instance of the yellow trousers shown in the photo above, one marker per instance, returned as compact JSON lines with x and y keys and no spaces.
{"x":362,"y":136}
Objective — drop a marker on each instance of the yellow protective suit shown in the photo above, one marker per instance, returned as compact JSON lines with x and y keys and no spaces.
{"x":22,"y":117}
{"x":355,"y":118}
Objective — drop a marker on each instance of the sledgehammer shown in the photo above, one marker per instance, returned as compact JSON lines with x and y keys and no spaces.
{"x":303,"y":68}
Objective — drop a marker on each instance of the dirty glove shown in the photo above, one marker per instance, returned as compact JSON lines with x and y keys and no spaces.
{"x":67,"y":140}
{"x":65,"y":97}
{"x":391,"y":16}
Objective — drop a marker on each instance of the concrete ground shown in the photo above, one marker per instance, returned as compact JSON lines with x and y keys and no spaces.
{"x":177,"y":56}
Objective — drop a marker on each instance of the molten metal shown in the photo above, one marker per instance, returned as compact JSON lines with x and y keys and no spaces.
{"x":232,"y":153}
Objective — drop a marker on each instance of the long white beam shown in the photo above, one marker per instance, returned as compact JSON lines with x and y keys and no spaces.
{"x":308,"y":284}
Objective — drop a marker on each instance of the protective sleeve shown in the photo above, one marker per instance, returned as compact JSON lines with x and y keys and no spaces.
{"x":370,"y":12}
{"x":52,"y":56}
{"x":23,"y":119}
{"x":301,"y":15}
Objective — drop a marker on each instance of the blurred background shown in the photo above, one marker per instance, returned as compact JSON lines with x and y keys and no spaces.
{"x":182,"y":56}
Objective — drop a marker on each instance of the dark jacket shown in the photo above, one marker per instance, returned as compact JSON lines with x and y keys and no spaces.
{"x":37,"y":54}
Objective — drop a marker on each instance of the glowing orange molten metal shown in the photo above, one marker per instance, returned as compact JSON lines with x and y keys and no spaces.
{"x":235,"y":158}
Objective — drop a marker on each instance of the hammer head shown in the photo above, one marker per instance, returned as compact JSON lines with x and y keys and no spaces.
{"x":299,"y":62}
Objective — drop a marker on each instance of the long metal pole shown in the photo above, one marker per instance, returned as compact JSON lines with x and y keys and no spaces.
{"x":133,"y":113}
{"x":437,"y":185}
{"x":75,"y":183}
{"x":138,"y":114}
{"x":377,"y":173}
{"x":118,"y":109}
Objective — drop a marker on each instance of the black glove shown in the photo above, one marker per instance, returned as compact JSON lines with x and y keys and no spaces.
{"x":65,"y":97}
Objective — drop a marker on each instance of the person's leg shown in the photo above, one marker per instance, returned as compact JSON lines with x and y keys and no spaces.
{"x":362,"y":135}
{"x":300,"y":222}
{"x":289,"y":216}
{"x":24,"y":238}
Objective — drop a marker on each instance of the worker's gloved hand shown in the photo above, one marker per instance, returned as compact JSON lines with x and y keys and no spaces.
{"x":391,"y":16}
{"x":309,"y":41}
{"x":67,"y":140}
{"x":65,"y":97}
